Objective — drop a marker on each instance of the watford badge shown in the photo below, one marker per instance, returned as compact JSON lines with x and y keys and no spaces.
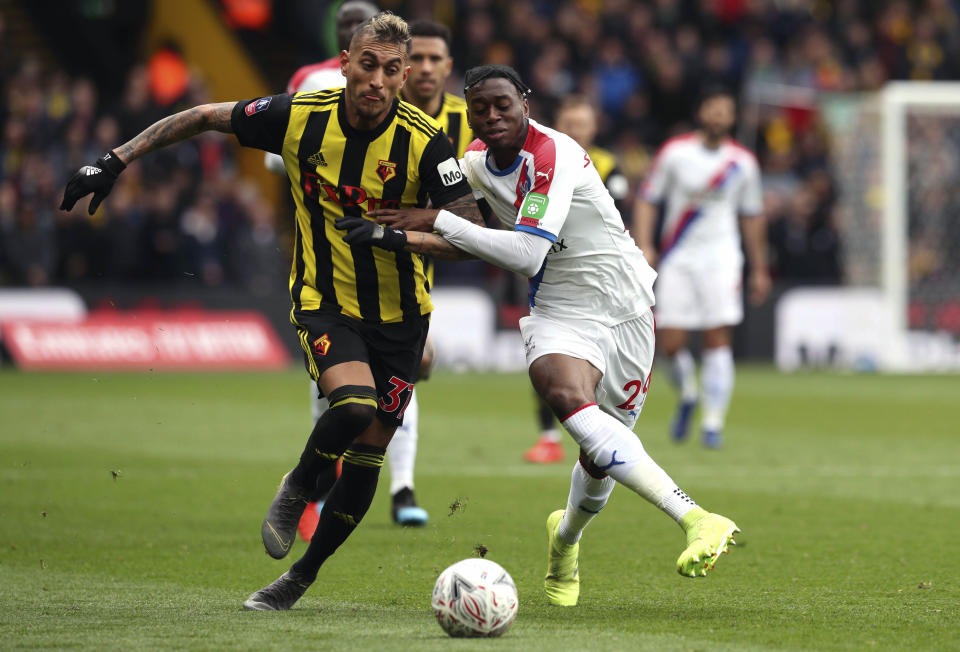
{"x":386,"y":170}
{"x":321,"y":345}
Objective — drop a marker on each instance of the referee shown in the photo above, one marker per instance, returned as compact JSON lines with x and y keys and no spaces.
{"x":361,"y":312}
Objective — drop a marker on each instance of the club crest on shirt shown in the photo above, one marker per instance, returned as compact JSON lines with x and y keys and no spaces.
{"x":523,"y":181}
{"x":386,"y":170}
{"x":257,"y":106}
{"x":321,"y":345}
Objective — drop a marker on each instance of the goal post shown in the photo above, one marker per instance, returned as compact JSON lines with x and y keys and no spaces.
{"x":908,"y":230}
{"x":895,"y":156}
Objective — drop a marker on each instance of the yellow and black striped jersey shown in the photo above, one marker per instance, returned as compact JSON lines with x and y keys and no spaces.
{"x":336,"y":170}
{"x":453,"y":118}
{"x":615,"y":181}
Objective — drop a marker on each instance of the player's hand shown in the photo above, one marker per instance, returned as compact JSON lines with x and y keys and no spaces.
{"x":759,"y":286}
{"x":97,"y":178}
{"x":408,"y":219}
{"x":362,"y":231}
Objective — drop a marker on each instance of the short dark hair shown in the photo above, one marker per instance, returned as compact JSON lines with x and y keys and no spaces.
{"x":714,"y":90}
{"x":386,"y":27}
{"x":356,"y":4}
{"x":494,"y":71}
{"x":575,"y":101}
{"x":431,"y":29}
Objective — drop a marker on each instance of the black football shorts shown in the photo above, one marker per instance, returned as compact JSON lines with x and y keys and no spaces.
{"x":392,"y":351}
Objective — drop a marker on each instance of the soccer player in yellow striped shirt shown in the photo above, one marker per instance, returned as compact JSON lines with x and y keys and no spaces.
{"x":362,"y":313}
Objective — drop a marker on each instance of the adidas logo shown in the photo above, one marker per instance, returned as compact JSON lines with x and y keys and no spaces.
{"x":317,"y":159}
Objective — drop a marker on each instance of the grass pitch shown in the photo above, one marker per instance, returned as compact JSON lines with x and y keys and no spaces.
{"x":131,"y":506}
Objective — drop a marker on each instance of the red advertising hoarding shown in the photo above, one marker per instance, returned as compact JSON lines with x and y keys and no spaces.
{"x":188,"y":340}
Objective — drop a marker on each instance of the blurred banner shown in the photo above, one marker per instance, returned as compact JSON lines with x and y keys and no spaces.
{"x":849,"y":328}
{"x":137,"y":340}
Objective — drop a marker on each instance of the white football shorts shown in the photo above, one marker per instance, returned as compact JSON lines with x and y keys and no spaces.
{"x":622,"y":353}
{"x":696,"y":295}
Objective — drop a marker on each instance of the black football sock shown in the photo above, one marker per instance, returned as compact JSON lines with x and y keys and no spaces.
{"x":325,"y":480}
{"x":545,"y":416}
{"x":352,"y":409}
{"x":344,"y":508}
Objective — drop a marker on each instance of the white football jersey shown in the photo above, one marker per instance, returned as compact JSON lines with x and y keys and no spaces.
{"x":593,"y":270}
{"x":705,"y":191}
{"x":317,"y":77}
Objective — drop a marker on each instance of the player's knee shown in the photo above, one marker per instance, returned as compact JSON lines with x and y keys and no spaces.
{"x":355,"y":407}
{"x":564,"y":399}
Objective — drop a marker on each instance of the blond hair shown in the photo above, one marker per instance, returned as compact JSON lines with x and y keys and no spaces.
{"x":385,"y":27}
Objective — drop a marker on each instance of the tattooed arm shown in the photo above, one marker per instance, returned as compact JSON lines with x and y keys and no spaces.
{"x":518,"y":251}
{"x":467,"y":208}
{"x":434,"y":245}
{"x":177,"y":127}
{"x":418,"y":222}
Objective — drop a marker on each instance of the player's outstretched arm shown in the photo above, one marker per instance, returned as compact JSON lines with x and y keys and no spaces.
{"x":518,"y":251}
{"x":177,"y":127}
{"x":644,"y":219}
{"x":410,"y":229}
{"x":99,"y":177}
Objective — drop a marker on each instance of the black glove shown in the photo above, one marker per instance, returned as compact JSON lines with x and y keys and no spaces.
{"x":363,"y":231}
{"x":97,"y":178}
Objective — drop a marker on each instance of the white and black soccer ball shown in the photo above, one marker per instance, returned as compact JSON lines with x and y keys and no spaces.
{"x":475,"y":597}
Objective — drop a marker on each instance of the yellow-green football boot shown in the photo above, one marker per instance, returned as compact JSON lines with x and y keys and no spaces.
{"x":562,"y":582}
{"x":708,"y":535}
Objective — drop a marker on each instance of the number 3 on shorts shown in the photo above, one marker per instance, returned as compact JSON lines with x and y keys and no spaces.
{"x":395,"y":401}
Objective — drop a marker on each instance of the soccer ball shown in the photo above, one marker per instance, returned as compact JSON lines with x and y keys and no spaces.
{"x":475,"y":597}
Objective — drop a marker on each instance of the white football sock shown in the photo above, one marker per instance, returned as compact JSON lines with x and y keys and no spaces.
{"x":717,"y":386}
{"x":587,"y":497}
{"x":617,"y":452}
{"x":402,"y":451}
{"x":551,"y":435}
{"x":683,"y":375}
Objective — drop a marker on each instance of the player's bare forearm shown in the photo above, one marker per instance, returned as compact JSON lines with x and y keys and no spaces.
{"x":422,"y":219}
{"x":644,"y":218}
{"x":177,"y":127}
{"x":755,"y":240}
{"x":467,"y":208}
{"x":433,"y":245}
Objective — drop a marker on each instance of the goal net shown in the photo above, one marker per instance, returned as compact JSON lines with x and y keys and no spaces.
{"x":896,"y":157}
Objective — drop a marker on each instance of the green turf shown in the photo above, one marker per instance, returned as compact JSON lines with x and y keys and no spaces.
{"x":847,"y":489}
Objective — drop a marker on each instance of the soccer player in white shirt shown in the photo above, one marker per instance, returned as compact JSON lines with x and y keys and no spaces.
{"x":706,"y":181}
{"x":590,"y":335}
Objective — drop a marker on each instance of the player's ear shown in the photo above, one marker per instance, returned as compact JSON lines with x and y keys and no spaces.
{"x":406,"y":73}
{"x":525,"y":106}
{"x":344,"y":60}
{"x":449,"y":66}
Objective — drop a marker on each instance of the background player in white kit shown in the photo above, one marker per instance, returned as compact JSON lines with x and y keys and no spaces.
{"x":590,"y":335}
{"x":706,"y":180}
{"x":402,"y":451}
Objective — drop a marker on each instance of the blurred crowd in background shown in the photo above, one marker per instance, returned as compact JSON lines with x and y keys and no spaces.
{"x":181,"y":212}
{"x":186,"y":213}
